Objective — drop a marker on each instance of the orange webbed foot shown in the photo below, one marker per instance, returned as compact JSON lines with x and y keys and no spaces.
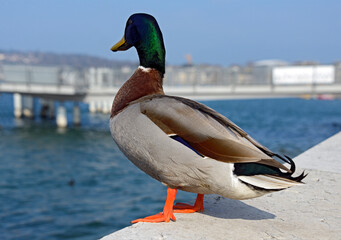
{"x":186,"y":208}
{"x":160,"y":217}
{"x":167,"y":213}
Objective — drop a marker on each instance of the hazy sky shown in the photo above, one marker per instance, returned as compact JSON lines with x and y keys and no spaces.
{"x":215,"y":32}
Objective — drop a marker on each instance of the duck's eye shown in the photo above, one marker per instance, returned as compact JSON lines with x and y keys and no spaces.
{"x":130,"y":22}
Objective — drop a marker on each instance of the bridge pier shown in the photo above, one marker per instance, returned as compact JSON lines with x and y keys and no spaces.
{"x":17,"y":102}
{"x":76,"y":114}
{"x":47,"y":109}
{"x":105,"y":107}
{"x":92,"y":107}
{"x":61,"y":119}
{"x":28,"y":106}
{"x":51,"y":103}
{"x":99,"y":106}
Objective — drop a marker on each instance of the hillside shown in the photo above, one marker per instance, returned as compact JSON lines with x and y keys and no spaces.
{"x":54,"y":59}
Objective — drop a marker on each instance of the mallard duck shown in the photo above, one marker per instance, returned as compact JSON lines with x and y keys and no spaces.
{"x":182,"y":143}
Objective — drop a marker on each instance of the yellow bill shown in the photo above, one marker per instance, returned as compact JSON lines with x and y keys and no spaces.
{"x":122,"y":45}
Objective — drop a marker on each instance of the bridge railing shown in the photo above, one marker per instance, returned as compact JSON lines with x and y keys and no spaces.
{"x":101,"y":78}
{"x":43,"y":75}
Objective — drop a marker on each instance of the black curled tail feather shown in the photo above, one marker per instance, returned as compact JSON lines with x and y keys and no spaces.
{"x":288,"y":160}
{"x":250,"y":169}
{"x":292,"y":164}
{"x":293,"y":169}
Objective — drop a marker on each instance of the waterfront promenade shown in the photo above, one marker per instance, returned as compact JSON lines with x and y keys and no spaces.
{"x":310,"y":211}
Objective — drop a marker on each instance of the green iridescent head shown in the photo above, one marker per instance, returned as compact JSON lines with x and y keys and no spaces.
{"x":143,"y":32}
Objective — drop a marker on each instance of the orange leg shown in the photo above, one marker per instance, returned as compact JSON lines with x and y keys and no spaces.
{"x":186,"y":208}
{"x":167,"y":213}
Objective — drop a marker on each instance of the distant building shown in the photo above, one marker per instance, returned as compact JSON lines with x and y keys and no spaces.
{"x":338,"y":72}
{"x":262,"y":71}
{"x":303,"y":75}
{"x":103,"y":77}
{"x":193,"y":75}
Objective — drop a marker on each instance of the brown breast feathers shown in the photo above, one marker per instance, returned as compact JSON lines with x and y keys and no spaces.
{"x":142,"y":83}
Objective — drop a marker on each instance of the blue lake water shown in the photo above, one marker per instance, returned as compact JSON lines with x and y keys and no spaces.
{"x":37,"y":162}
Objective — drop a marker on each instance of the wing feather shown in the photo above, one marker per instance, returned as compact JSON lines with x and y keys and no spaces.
{"x":209,"y":132}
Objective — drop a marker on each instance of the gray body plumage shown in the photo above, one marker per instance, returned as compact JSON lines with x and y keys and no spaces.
{"x":151,"y":149}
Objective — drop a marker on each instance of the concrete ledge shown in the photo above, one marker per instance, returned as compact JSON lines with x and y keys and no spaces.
{"x":311,"y":211}
{"x":326,"y":156}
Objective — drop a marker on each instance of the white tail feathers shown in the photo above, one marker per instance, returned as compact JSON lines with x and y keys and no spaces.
{"x":268,"y":182}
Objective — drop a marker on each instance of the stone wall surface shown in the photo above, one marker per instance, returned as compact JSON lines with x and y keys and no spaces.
{"x":310,"y":211}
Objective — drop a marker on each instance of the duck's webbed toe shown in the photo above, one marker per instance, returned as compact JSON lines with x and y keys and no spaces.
{"x":186,"y":208}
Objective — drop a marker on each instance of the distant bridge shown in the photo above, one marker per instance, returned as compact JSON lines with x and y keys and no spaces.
{"x":55,"y":84}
